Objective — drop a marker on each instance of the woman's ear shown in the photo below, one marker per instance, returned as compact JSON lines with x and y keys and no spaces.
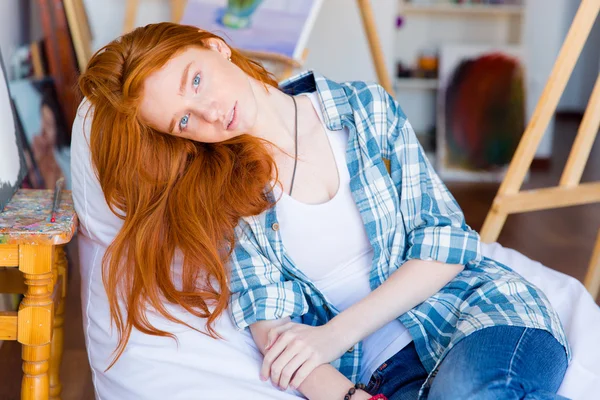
{"x":220,"y":46}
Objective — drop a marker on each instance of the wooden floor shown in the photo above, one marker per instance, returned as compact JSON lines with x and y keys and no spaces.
{"x":561,"y":239}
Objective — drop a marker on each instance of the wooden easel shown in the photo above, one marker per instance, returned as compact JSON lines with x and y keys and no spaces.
{"x":366,"y":12}
{"x":570,"y":191}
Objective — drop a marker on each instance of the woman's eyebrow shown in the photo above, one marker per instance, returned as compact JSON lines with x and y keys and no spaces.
{"x":172,"y":125}
{"x":184,"y":78}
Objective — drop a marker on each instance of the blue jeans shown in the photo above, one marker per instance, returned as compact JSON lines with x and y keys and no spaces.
{"x":502,"y":362}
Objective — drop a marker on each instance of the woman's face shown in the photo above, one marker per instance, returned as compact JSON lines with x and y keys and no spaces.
{"x":200,"y":95}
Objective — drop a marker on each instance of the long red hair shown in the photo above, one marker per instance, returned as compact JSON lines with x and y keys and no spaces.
{"x":174,"y":195}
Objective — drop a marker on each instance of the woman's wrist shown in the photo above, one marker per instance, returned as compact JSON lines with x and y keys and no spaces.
{"x":347,"y":333}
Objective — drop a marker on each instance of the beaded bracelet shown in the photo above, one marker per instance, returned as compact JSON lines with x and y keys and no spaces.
{"x":353,"y":390}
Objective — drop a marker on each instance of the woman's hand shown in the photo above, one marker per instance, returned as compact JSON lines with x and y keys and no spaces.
{"x":294,"y":350}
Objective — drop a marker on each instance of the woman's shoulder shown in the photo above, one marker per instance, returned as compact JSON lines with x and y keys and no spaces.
{"x":356,"y":91}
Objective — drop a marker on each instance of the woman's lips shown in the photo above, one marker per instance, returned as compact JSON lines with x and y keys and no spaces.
{"x":233,"y":122}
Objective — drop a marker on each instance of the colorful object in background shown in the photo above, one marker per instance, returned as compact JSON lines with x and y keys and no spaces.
{"x":481,"y":111}
{"x":238,"y":14}
{"x":485,"y":111}
{"x":427,"y":64}
{"x":46,"y":132}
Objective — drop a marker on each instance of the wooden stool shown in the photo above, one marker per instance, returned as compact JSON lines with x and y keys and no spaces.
{"x":33,"y":262}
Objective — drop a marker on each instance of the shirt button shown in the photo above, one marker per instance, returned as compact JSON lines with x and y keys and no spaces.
{"x":275,"y":226}
{"x":350,"y":350}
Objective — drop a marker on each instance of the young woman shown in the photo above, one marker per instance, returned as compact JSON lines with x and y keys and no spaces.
{"x":344,"y":273}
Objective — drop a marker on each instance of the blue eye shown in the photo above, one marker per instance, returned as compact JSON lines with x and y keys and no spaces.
{"x":196,"y":81}
{"x":183,"y":122}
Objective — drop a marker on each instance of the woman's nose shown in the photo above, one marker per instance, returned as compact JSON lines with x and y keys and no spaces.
{"x":208,"y":110}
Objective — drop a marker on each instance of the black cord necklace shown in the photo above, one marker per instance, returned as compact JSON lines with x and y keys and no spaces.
{"x":296,"y":144}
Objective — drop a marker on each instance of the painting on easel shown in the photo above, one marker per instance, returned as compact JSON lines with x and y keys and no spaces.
{"x":481,"y":113}
{"x":12,"y":160}
{"x":263,"y":26}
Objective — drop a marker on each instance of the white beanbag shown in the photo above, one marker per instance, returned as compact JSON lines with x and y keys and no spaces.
{"x":199,"y":367}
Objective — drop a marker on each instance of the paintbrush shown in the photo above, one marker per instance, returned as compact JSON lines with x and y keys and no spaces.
{"x":57,"y":190}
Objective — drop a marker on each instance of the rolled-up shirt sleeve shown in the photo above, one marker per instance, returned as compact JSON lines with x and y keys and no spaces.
{"x":259,"y":290}
{"x":434,"y":223}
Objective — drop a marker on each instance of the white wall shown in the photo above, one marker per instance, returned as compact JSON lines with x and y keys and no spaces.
{"x":337,"y":44}
{"x":106,"y":17}
{"x":545,"y":31}
{"x":338,"y":47}
{"x":579,"y":88}
{"x":543,"y":37}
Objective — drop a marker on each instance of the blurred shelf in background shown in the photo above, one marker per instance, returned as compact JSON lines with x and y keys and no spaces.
{"x":479,"y":9}
{"x":415,"y":84}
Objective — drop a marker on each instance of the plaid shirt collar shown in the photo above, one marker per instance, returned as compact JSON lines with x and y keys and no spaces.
{"x":333,"y":99}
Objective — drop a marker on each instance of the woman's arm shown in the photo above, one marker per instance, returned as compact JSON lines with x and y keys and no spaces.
{"x":407,"y":287}
{"x":323,"y":383}
{"x":265,"y":301}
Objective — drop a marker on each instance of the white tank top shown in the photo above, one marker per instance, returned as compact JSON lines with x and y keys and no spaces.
{"x":329,"y":244}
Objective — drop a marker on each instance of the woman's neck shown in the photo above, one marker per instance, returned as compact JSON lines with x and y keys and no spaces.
{"x":275,"y":120}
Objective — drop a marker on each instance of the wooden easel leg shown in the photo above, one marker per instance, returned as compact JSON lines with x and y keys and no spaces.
{"x":588,"y":129}
{"x":131,"y":7}
{"x":177,"y":9}
{"x":592,"y":278}
{"x":567,"y":58}
{"x":492,"y":225}
{"x":35,"y":319}
{"x":56,"y":348}
{"x":366,"y":12}
{"x":521,"y":161}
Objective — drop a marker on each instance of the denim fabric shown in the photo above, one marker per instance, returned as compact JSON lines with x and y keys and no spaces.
{"x":503,"y":362}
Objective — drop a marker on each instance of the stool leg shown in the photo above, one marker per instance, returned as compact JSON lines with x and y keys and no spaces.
{"x":56,"y":348}
{"x":34,"y":319}
{"x":35,"y":372}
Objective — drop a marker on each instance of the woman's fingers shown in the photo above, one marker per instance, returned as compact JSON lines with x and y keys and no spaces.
{"x":275,"y":332}
{"x":305,"y":370}
{"x":285,"y":369}
{"x":273,"y":353}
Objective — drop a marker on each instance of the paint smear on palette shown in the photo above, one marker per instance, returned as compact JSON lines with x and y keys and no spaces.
{"x":26,"y":218}
{"x":485,"y":111}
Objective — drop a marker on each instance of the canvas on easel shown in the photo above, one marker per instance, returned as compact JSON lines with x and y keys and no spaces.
{"x":261,"y":26}
{"x":12,"y":160}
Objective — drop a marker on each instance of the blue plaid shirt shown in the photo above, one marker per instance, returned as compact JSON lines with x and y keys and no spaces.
{"x":408,"y":213}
